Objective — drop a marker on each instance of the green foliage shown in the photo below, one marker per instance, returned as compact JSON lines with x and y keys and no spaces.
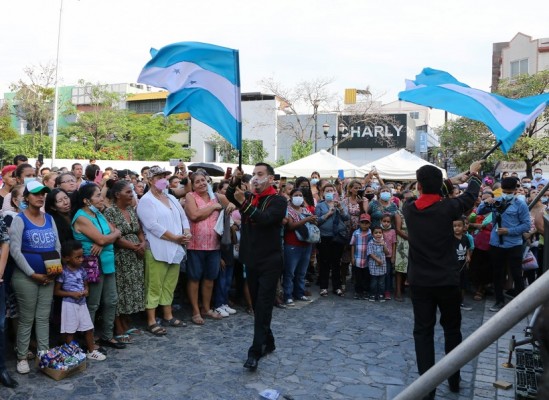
{"x":301,"y":149}
{"x":6,"y":130}
{"x":252,"y":151}
{"x":469,"y":140}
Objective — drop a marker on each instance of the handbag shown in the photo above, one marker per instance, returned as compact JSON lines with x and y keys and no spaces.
{"x":310,"y":233}
{"x":91,"y":265}
{"x":341,"y":233}
{"x":529,"y":261}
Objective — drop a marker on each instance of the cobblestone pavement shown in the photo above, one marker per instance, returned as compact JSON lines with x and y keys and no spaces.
{"x":331,"y":348}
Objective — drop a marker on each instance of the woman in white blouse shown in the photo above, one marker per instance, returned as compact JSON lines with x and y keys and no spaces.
{"x":166,"y":230}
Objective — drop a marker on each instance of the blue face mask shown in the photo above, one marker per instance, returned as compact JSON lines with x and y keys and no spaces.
{"x":521,"y":197}
{"x":314,"y":181}
{"x":508,"y":196}
{"x":23,"y":205}
{"x":329,"y":196}
{"x":93,"y":209}
{"x":538,"y":176}
{"x":385,"y":196}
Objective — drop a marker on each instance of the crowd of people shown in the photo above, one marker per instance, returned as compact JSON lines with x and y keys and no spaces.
{"x":120,"y":243}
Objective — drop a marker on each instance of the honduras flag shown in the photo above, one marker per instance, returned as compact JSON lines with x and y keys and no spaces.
{"x":204,"y":80}
{"x":506,"y":118}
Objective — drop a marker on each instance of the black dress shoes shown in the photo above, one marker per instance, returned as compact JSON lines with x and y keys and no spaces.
{"x":251,"y":363}
{"x":268,"y":348}
{"x":7,"y":381}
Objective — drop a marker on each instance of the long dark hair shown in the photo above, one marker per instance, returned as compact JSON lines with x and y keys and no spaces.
{"x":307,"y":194}
{"x":50,"y":200}
{"x":84,"y":193}
{"x":116,"y":188}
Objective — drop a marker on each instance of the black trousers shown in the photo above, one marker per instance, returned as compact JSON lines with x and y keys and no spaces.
{"x":425,"y":301}
{"x":262,"y":283}
{"x":328,"y":260}
{"x":500,"y":257}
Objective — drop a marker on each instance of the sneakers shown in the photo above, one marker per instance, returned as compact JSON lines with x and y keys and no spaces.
{"x":23,"y":367}
{"x":381,"y":299}
{"x":303,"y":298}
{"x":289,"y":303}
{"x":356,"y":296}
{"x":496,"y":307}
{"x":372,"y":298}
{"x":340,"y":293}
{"x":387,"y":295}
{"x":228,"y":309}
{"x":96,"y":355}
{"x":465,"y":307}
{"x":324,"y":292}
{"x":221,"y":311}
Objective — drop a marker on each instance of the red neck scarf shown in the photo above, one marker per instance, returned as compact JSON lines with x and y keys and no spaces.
{"x":427,"y":200}
{"x":267,"y":192}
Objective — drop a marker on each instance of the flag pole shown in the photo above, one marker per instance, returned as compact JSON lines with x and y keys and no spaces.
{"x":499,"y":143}
{"x":238,"y":102}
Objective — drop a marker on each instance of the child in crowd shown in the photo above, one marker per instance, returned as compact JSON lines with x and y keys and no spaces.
{"x":390,"y":238}
{"x":359,"y":249}
{"x":463,"y":253}
{"x":377,"y":253}
{"x":72,"y":285}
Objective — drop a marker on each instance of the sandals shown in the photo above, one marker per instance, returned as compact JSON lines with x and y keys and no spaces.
{"x":176,"y":323}
{"x":126,"y":339}
{"x":134,"y":331}
{"x":197,"y":319}
{"x":213,"y":315}
{"x":156,"y":330}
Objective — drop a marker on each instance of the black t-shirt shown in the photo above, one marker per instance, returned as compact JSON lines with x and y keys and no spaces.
{"x":461,"y":246}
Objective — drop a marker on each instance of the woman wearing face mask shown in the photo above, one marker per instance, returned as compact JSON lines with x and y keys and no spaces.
{"x":304,"y":186}
{"x":204,"y":255}
{"x":331,"y":217}
{"x":315,"y":180}
{"x":97,"y":236}
{"x":166,"y":230}
{"x":383,"y":205}
{"x":296,"y":252}
{"x":33,"y":236}
{"x":24,"y":173}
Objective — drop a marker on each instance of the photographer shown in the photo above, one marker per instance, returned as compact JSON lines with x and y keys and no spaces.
{"x":511,"y":219}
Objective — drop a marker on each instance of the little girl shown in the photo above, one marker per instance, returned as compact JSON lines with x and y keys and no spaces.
{"x":72,"y":285}
{"x":377,"y":253}
{"x":389,"y":235}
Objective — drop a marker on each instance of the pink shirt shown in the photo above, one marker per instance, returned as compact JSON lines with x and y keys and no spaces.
{"x":204,"y":237}
{"x":390,"y":238}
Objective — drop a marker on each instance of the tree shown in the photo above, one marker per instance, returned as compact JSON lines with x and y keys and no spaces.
{"x":252,"y":151}
{"x":102,"y":122}
{"x":34,"y":98}
{"x":6,"y":130}
{"x":470,"y":140}
{"x":305,"y":96}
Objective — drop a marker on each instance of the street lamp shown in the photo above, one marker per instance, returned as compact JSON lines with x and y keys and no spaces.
{"x":315,"y":118}
{"x":326,"y":129}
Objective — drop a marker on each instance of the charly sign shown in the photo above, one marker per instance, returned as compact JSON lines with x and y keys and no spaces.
{"x":387,"y":131}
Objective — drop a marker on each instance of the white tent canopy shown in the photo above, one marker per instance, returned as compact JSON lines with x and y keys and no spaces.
{"x":399,"y":166}
{"x":326,"y":164}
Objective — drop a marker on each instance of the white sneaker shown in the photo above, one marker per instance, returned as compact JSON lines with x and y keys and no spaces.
{"x":228,"y":309}
{"x":96,"y":355}
{"x":23,"y":367}
{"x":222,"y":312}
{"x":290,"y":303}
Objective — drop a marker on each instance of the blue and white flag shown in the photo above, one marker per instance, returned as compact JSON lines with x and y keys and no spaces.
{"x":506,"y":118}
{"x":204,"y":80}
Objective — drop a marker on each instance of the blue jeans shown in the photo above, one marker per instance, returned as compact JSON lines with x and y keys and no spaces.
{"x":223,"y":285}
{"x":377,"y":285}
{"x":296,"y":261}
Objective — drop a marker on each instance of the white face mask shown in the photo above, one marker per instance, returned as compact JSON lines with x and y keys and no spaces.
{"x":297,"y":201}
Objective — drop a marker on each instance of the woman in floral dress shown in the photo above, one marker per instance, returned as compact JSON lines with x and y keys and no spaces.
{"x":129,"y":251}
{"x":401,"y":259}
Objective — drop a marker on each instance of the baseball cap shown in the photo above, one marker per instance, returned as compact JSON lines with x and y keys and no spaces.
{"x":35,"y":187}
{"x":365,"y":217}
{"x":154,"y":171}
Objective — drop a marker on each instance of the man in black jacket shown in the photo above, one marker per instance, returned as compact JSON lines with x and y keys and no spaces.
{"x":433,"y":271}
{"x":260,"y":251}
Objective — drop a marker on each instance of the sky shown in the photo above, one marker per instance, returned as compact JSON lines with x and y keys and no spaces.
{"x":358,"y":43}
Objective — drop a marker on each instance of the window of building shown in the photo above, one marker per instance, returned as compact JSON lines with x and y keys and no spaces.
{"x":414,"y":114}
{"x":519,"y":67}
